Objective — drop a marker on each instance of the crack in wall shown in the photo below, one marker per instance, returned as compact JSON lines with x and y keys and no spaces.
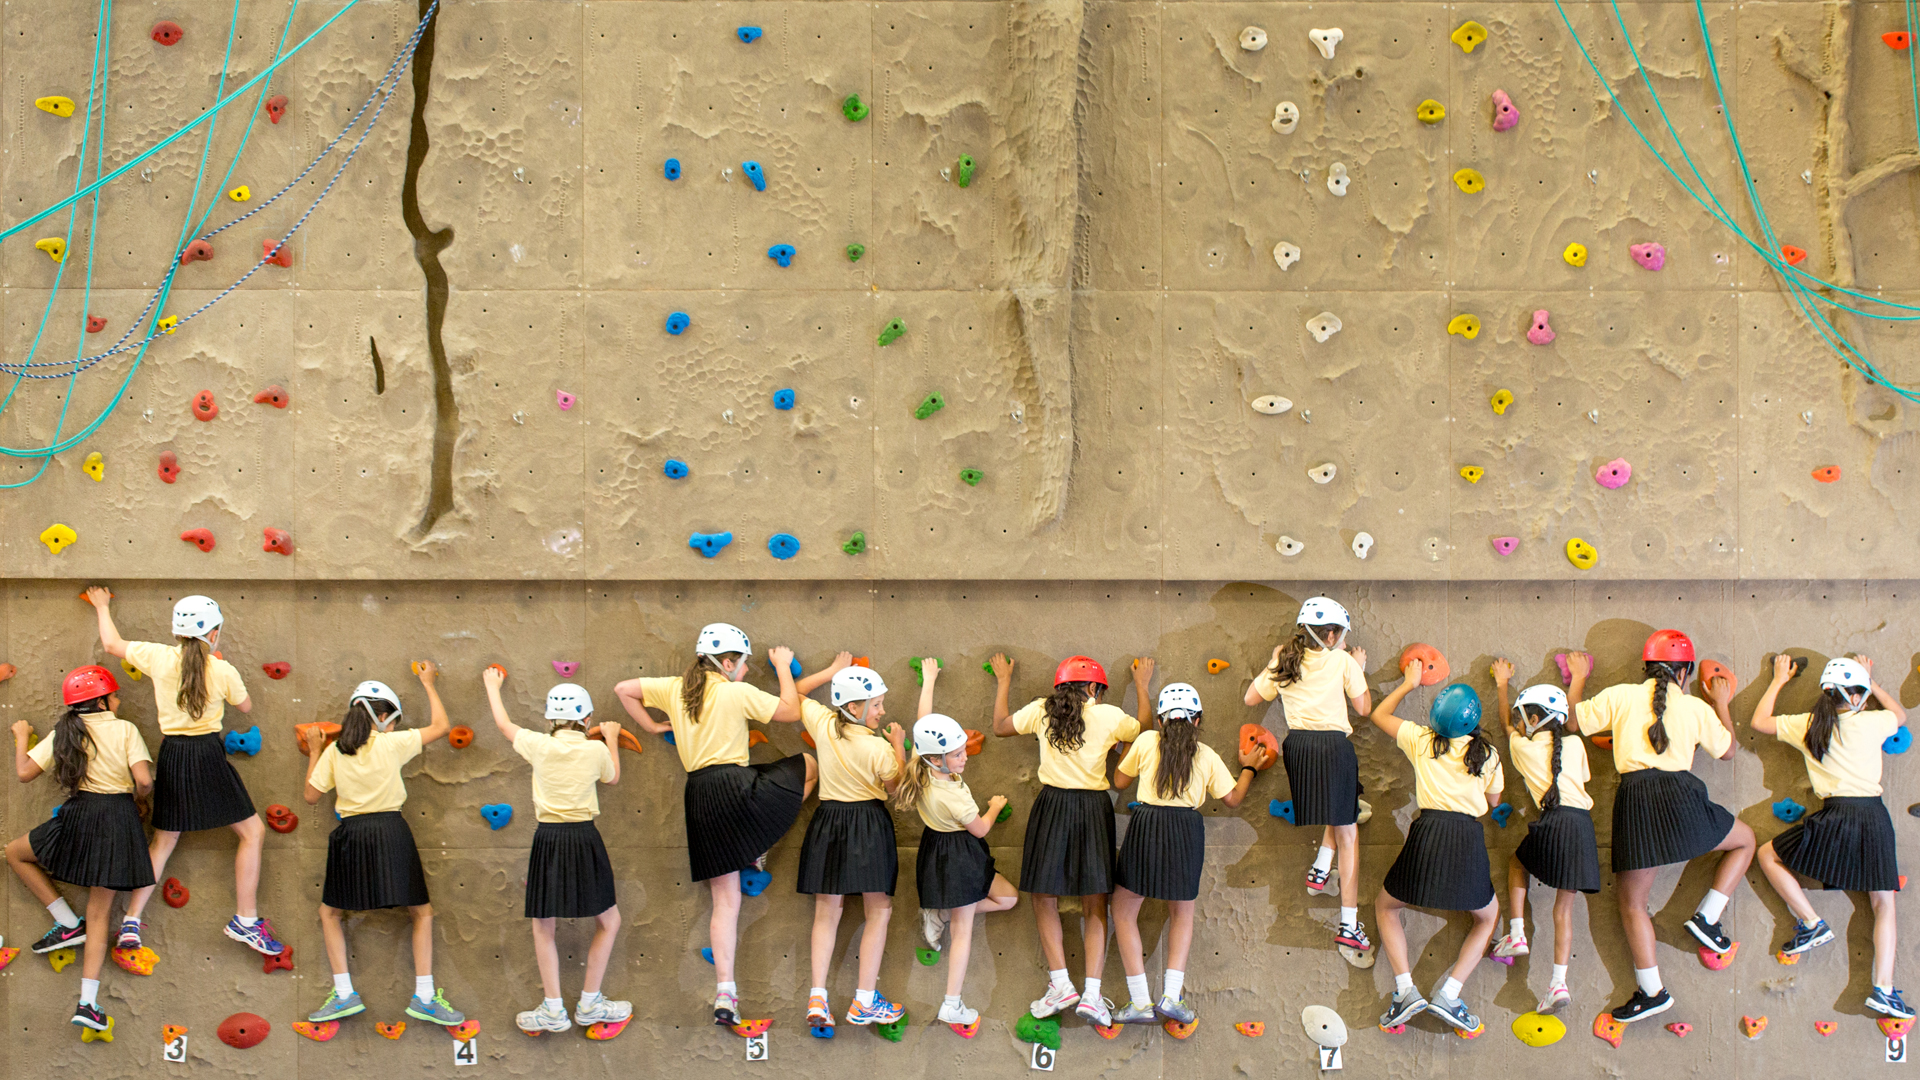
{"x":379,"y":369}
{"x":427,"y":246}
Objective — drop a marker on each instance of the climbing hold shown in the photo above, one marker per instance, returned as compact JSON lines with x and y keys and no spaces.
{"x":240,"y":194}
{"x":55,"y":247}
{"x":282,"y":819}
{"x":855,"y":544}
{"x":60,"y":958}
{"x":1899,"y":742}
{"x":891,"y":332}
{"x":672,"y":168}
{"x":57,"y":536}
{"x":1714,"y":961}
{"x":927,"y":957}
{"x":276,"y":252}
{"x":55,"y":104}
{"x":174,"y":893}
{"x":1681,"y":1028}
{"x":1433,"y":664}
{"x":320,"y":1032}
{"x":244,"y":742}
{"x":1505,"y":113}
{"x":971,"y":477}
{"x":276,"y":108}
{"x":1614,"y":474}
{"x":277,"y":541}
{"x":1032,"y":1029}
{"x":1337,"y":179}
{"x":1540,"y":333}
{"x":1323,"y":326}
{"x":1253,"y":39}
{"x":138,"y":961}
{"x":197,"y":251}
{"x":854,"y":251}
{"x":96,"y":323}
{"x":754,"y":882}
{"x":1500,"y":400}
{"x":1472,"y":473}
{"x":277,"y":670}
{"x":1430,"y":112}
{"x":1895,"y":1029}
{"x":464,"y":1030}
{"x":1281,"y":809}
{"x":1787,"y":959}
{"x":167,"y":32}
{"x":1286,"y":116}
{"x":821,"y":1031}
{"x":1216,"y":666}
{"x":1323,"y":1025}
{"x":170,"y":1032}
{"x":1252,"y":1029}
{"x":1501,"y":813}
{"x":1605,"y":1027}
{"x":1362,"y":545}
{"x":783,"y":546}
{"x":1651,"y":256}
{"x":748,"y":34}
{"x":1469,"y":181}
{"x":1285,"y":255}
{"x":275,"y":396}
{"x":204,"y":407}
{"x":781,"y":253}
{"x":977,"y":740}
{"x":1566,"y":670}
{"x":280,"y":961}
{"x":1326,"y":40}
{"x":95,"y":466}
{"x":1271,"y":405}
{"x":244,"y":1031}
{"x":1506,"y":545}
{"x":461,"y":737}
{"x":1288,"y":546}
{"x":1181,"y":1031}
{"x":755,"y":173}
{"x":1794,"y":255}
{"x":1825,"y":1027}
{"x":1897,"y":39}
{"x":1752,"y":1026}
{"x":963,"y":171}
{"x":566,"y":669}
{"x":1467,"y":326}
{"x":88,"y":1035}
{"x":390,"y":1031}
{"x":1323,"y":473}
{"x":929,"y":405}
{"x":200,"y":538}
{"x":675,"y":469}
{"x":1252,"y":735}
{"x":677,"y":323}
{"x":1537,"y":1030}
{"x":1827,"y":474}
{"x":564,"y":400}
{"x":1468,"y":35}
{"x":854,"y":109}
{"x":498,"y":815}
{"x":1576,"y":254}
{"x":1582,"y":554}
{"x":709,"y":544}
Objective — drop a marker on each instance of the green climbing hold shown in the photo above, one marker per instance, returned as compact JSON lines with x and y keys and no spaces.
{"x":891,"y":332}
{"x":964,"y":174}
{"x":918,"y":678}
{"x":929,"y":405}
{"x":971,"y":477}
{"x":855,"y":544}
{"x":854,"y":251}
{"x":927,"y":957}
{"x":986,"y":666}
{"x":854,"y":109}
{"x":1005,"y":813}
{"x":893,"y":1032}
{"x":1031,"y":1029}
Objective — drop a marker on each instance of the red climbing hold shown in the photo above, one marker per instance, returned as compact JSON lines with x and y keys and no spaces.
{"x":1897,"y":39}
{"x":204,"y":407}
{"x":276,"y":253}
{"x":198,"y":251}
{"x":1827,"y":474}
{"x":276,"y":107}
{"x":275,"y":396}
{"x":169,"y":467}
{"x":96,"y":323}
{"x":174,"y":893}
{"x":200,"y":538}
{"x":282,"y":961}
{"x":243,"y":1031}
{"x":167,"y":32}
{"x":278,"y":541}
{"x":278,"y":669}
{"x":1794,"y":255}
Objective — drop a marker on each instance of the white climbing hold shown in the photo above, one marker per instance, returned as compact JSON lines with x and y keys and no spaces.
{"x":1286,"y":116}
{"x":1362,"y":545}
{"x":1271,"y":404}
{"x":1323,"y":326}
{"x":1337,"y":178}
{"x":1289,"y":547}
{"x":1253,"y":39}
{"x":1322,"y":474}
{"x":1807,"y":176}
{"x":1808,"y":417}
{"x":1285,"y":254}
{"x":727,"y":174}
{"x":947,"y":174}
{"x":1325,"y":40}
{"x":727,"y":415}
{"x":1324,"y":1026}
{"x":1306,"y":416}
{"x":1593,"y":415}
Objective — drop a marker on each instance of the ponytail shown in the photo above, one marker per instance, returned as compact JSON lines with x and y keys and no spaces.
{"x":693,"y":684}
{"x":1479,"y":750}
{"x":1663,"y":673}
{"x":1179,"y":738}
{"x":195,"y":657}
{"x":1826,"y":717}
{"x":1550,"y":799}
{"x":1066,"y":720}
{"x":913,"y":782}
{"x":1285,"y":668}
{"x":357,"y":726}
{"x":73,"y":744}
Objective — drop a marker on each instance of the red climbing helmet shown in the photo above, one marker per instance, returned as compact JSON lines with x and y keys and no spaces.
{"x":87,"y":684}
{"x":1079,"y":669}
{"x":1669,"y":645}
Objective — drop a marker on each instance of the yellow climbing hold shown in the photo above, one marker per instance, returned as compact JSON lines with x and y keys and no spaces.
{"x":95,"y":466}
{"x":1537,"y":1030}
{"x":241,"y":193}
{"x":1469,"y":35}
{"x":1469,"y":181}
{"x":1576,"y":254}
{"x":1581,"y":554}
{"x":55,"y":104}
{"x":132,"y":672}
{"x":55,"y":247}
{"x":60,"y":958}
{"x":1431,"y":112}
{"x":1467,"y":326}
{"x":167,"y":324}
{"x":1501,"y":399}
{"x":57,"y":536}
{"x":1472,"y":473}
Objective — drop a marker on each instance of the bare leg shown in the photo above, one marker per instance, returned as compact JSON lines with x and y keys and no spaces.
{"x":1046,"y":917}
{"x":1126,"y":930}
{"x":1393,"y":939}
{"x":1733,"y":865}
{"x":1472,"y":949}
{"x":1885,"y":937}
{"x":723,"y":926}
{"x":423,"y":941}
{"x":1632,"y":887}
{"x":1001,"y":896}
{"x":1346,"y":852}
{"x":1787,"y":884}
{"x":546,"y":956}
{"x":813,"y":777}
{"x":99,"y":910}
{"x":959,"y":945}
{"x":600,"y":949}
{"x":1517,"y":888}
{"x":1093,"y":933}
{"x":160,"y":851}
{"x":873,"y":939}
{"x":335,"y":936}
{"x":246,"y":865}
{"x":1179,"y":933}
{"x":20,"y":858}
{"x":1563,"y":926}
{"x":826,"y":930}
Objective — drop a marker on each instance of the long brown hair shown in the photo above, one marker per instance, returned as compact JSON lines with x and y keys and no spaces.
{"x":1479,"y":750}
{"x":195,"y":656}
{"x":73,"y":744}
{"x":914,"y":780}
{"x":1285,"y":668}
{"x":357,"y":726}
{"x":1066,"y":718}
{"x":693,"y":684}
{"x":1826,"y":717}
{"x":1664,"y":673}
{"x":1179,"y":740}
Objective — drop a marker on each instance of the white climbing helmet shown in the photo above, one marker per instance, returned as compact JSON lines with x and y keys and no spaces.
{"x":375,"y":690}
{"x":936,"y":735}
{"x":196,"y":616}
{"x":718,"y":639}
{"x":1180,"y":700}
{"x":856,"y":683}
{"x":1321,"y":611}
{"x":1845,"y":675}
{"x":1551,"y":699}
{"x":568,"y":701}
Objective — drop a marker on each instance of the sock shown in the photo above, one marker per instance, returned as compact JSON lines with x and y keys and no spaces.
{"x":1058,"y":980}
{"x":423,"y":987}
{"x":1137,"y":990}
{"x":1324,"y":860}
{"x":586,"y":1000}
{"x":1883,"y":989}
{"x":1451,"y":989}
{"x":1559,"y":976}
{"x":248,"y":922}
{"x":343,"y":984}
{"x":554,"y":1005}
{"x":952,"y":1001}
{"x":90,"y":992}
{"x":1649,"y":980}
{"x":727,"y":988}
{"x":819,"y":992}
{"x":864,"y":997}
{"x":1711,"y":905}
{"x":1804,"y":924}
{"x":1176,"y":983}
{"x":1349,"y":916}
{"x":1517,"y":929}
{"x":1092,"y":992}
{"x":63,"y":914}
{"x":1402,"y":983}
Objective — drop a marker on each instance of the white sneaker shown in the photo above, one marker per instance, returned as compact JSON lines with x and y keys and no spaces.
{"x":1557,"y":998}
{"x":1098,"y":1013}
{"x":604,"y":1011}
{"x":1057,"y":998}
{"x":958,"y":1014}
{"x":933,"y":923}
{"x":1366,"y":812}
{"x":541,"y":1020}
{"x":1508,"y":945}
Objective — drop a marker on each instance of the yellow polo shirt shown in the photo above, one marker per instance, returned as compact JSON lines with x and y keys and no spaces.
{"x":566,"y":766}
{"x":855,"y":764}
{"x":1208,"y":777}
{"x":1318,"y":700}
{"x":1086,"y":767}
{"x":720,"y":737}
{"x":1443,"y":783}
{"x":1627,"y":711}
{"x":162,"y":664}
{"x":369,"y":779}
{"x":947,"y":805}
{"x":1534,"y":758}
{"x":115,"y":746}
{"x":1852,"y":764}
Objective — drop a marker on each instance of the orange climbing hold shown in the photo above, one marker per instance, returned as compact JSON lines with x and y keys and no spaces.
{"x":200,"y":538}
{"x":276,"y":253}
{"x":752,"y":1028}
{"x":6,"y":956}
{"x":317,"y":1032}
{"x":1895,"y":1029}
{"x":276,"y":541}
{"x":461,"y":736}
{"x":1897,"y":39}
{"x":1752,"y":1026}
{"x":96,"y":323}
{"x":1606,"y":1028}
{"x":1825,"y":1027}
{"x":276,"y":108}
{"x":464,"y":1030}
{"x":1252,"y":735}
{"x":138,"y":961}
{"x":1252,"y":1029}
{"x":630,"y":741}
{"x":755,"y":738}
{"x":1111,"y":1031}
{"x":204,"y":407}
{"x":1827,"y":474}
{"x":198,"y":251}
{"x":313,"y":738}
{"x":1181,"y":1031}
{"x":282,"y":819}
{"x":1435,"y":664}
{"x":275,"y":396}
{"x":1793,"y":255}
{"x":1215,"y":667}
{"x":976,"y":742}
{"x":170,"y":1032}
{"x":1714,"y":669}
{"x":1714,"y":961}
{"x":169,"y":467}
{"x":391,"y":1031}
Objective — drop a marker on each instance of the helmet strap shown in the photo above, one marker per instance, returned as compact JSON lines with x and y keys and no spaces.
{"x":1184,"y":716}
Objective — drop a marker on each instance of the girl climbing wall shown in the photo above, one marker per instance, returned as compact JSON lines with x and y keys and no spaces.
{"x":1559,"y":848}
{"x":1070,"y":830}
{"x":1661,"y":814}
{"x":1443,"y":864}
{"x":372,"y":862}
{"x":1166,"y":842}
{"x":94,"y":839}
{"x":1316,"y":677}
{"x":734,"y":811}
{"x":1848,"y":843}
{"x":953,"y":870}
{"x":569,"y":875}
{"x":194,"y":785}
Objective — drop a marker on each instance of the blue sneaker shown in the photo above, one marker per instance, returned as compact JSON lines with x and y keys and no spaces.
{"x":337,"y":1007}
{"x":258,"y":937}
{"x":436,"y":1010}
{"x":1889,"y":1002}
{"x":1806,"y":937}
{"x":881,"y":1011}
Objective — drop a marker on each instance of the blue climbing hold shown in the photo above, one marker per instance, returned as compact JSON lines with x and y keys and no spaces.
{"x":783,"y":400}
{"x":755,"y":173}
{"x":709,"y":544}
{"x":707,"y":954}
{"x":754,"y":882}
{"x":677,"y":323}
{"x":1789,"y":811}
{"x":822,"y":1031}
{"x":1898,"y":742}
{"x":675,"y":469}
{"x":669,"y":737}
{"x":780,"y":253}
{"x":673,"y":168}
{"x":497,"y":815}
{"x":783,"y":545}
{"x":1134,"y":805}
{"x":56,"y":812}
{"x":1501,"y":813}
{"x":793,"y":665}
{"x":748,"y":34}
{"x":244,"y":742}
{"x":1283,"y":810}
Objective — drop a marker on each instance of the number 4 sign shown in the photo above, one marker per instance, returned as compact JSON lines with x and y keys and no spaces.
{"x":467,"y":1052}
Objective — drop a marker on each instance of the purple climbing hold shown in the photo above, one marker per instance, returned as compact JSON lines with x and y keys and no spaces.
{"x":1651,"y":256}
{"x":1540,"y":333}
{"x":1506,"y":115}
{"x":1506,"y":545}
{"x":1614,"y":473}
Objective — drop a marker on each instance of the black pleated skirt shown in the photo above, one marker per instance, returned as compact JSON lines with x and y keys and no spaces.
{"x":1323,"y":774}
{"x":372,"y":863}
{"x":95,"y":840}
{"x":1846,"y":844}
{"x":195,"y":787}
{"x":568,"y":873}
{"x":1069,"y":845}
{"x":1443,"y":864}
{"x":849,"y":849}
{"x":1661,"y":818}
{"x":1163,"y":853}
{"x":1560,"y":850}
{"x":953,"y":869}
{"x":736,"y":813}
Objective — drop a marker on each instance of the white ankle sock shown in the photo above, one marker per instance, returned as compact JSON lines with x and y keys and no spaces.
{"x":248,"y":922}
{"x":554,"y":1005}
{"x":586,"y":999}
{"x":1451,"y":989}
{"x":1137,"y":990}
{"x":1176,"y":982}
{"x":63,"y":914}
{"x":819,"y":992}
{"x":90,"y":992}
{"x":1349,"y":916}
{"x":952,"y":1001}
{"x":726,"y":988}
{"x":1323,"y":861}
{"x":1559,"y":976}
{"x":1058,"y":980}
{"x":423,"y":987}
{"x":343,"y":984}
{"x":1092,"y":992}
{"x":1649,"y":980}
{"x":1712,"y":905}
{"x":1517,"y":929}
{"x":864,"y":997}
{"x":1402,"y":983}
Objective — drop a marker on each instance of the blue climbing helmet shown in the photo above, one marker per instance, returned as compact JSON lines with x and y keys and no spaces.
{"x":1455,"y":711}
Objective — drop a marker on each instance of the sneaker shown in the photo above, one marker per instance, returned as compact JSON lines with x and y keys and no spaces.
{"x":604,"y":1011}
{"x":958,"y":1014}
{"x":129,"y":934}
{"x":62,"y":937}
{"x":435,"y":1010}
{"x":819,"y":1012}
{"x":538,"y":1020}
{"x":881,"y":1011}
{"x":760,"y":862}
{"x":337,"y":1007}
{"x":90,"y":1016}
{"x":726,"y":1009}
{"x":1557,"y":998}
{"x":1320,"y":882}
{"x":1134,"y":1013}
{"x":1709,"y":933}
{"x":1806,"y":937}
{"x":1889,"y":1002}
{"x":1057,"y":999}
{"x":1177,"y":1011}
{"x":1353,"y":937}
{"x":1366,"y":812}
{"x":1405,"y":1006}
{"x":258,"y":937}
{"x":933,"y":923}
{"x":1098,"y":1013}
{"x":1455,"y":1012}
{"x":1508,"y":945}
{"x":1640,"y":1006}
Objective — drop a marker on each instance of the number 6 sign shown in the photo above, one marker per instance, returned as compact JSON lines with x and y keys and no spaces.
{"x":1042,"y":1059}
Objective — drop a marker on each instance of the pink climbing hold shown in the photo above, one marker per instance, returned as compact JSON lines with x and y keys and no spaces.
{"x":566,"y":668}
{"x":1506,"y":115}
{"x":96,"y":323}
{"x":276,"y":253}
{"x":276,"y":108}
{"x":1506,"y":545}
{"x":1651,"y":256}
{"x":1566,"y":671}
{"x":1540,"y":333}
{"x":1614,"y":473}
{"x":198,"y":251}
{"x":563,"y":399}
